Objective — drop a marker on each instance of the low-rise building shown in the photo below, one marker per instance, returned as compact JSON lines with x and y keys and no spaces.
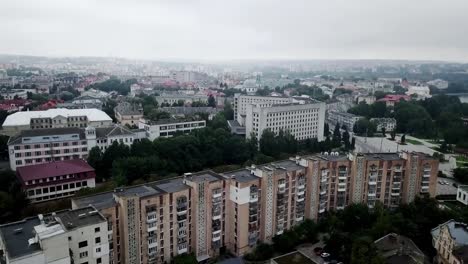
{"x":391,"y":99}
{"x":421,"y":92}
{"x":450,"y":240}
{"x":169,"y":127}
{"x":128,"y":114}
{"x":343,"y":118}
{"x":14,"y":94}
{"x":368,"y":99}
{"x":55,"y":180}
{"x":104,"y":137}
{"x":399,"y":249}
{"x":388,"y":123}
{"x":54,"y":118}
{"x":439,"y":84}
{"x":462,"y":194}
{"x":70,"y":236}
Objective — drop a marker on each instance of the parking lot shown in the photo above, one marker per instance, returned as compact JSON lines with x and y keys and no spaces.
{"x":445,"y":189}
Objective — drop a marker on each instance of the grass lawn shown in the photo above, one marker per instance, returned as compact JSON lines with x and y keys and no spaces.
{"x":461,"y":158}
{"x":414,"y":142}
{"x":454,"y":205}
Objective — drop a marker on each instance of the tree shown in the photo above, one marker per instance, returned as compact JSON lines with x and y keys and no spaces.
{"x":268,"y":144}
{"x":403,"y":139}
{"x":326,"y":130}
{"x":95,"y":159}
{"x":228,"y":111}
{"x":383,"y":131}
{"x":364,"y":251}
{"x":346,"y":141}
{"x":252,"y":144}
{"x":461,"y":174}
{"x":211,"y":101}
{"x":337,"y":135}
{"x":364,"y":127}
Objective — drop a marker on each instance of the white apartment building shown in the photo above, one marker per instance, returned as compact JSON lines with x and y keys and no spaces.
{"x":422,"y":92}
{"x":343,"y":118}
{"x":54,"y":118}
{"x":71,"y":236}
{"x":169,"y":127}
{"x":241,"y":102}
{"x":462,"y":194}
{"x":303,"y":121}
{"x":40,"y":146}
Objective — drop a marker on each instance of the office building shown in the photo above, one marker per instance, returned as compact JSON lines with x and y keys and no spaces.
{"x":169,"y":127}
{"x":242,"y":101}
{"x":303,"y":121}
{"x":54,"y":180}
{"x":54,"y":118}
{"x":205,"y":212}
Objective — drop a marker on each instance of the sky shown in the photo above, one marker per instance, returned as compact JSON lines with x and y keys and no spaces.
{"x":237,"y":29}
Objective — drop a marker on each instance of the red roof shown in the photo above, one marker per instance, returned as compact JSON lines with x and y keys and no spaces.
{"x":394,"y":98}
{"x":56,"y":168}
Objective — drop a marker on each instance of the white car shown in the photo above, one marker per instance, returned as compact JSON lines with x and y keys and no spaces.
{"x":324,"y":255}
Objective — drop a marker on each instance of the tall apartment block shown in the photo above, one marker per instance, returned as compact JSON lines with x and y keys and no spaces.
{"x":205,"y":212}
{"x":70,"y":236}
{"x":241,"y":102}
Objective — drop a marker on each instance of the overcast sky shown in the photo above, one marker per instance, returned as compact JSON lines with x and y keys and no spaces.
{"x":237,"y":29}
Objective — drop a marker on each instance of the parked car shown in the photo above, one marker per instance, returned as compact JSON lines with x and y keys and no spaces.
{"x":325,"y":255}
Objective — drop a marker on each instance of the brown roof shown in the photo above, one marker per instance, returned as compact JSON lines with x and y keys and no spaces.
{"x":56,"y":168}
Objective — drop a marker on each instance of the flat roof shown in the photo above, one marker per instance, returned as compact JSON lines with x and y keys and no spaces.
{"x":202,"y":176}
{"x":170,"y":121}
{"x":287,"y":165}
{"x":99,"y":201}
{"x":85,"y":216}
{"x":338,"y":157}
{"x":15,"y":237}
{"x":170,"y":185}
{"x":382,"y":156}
{"x":242,"y":175}
{"x":139,"y":190}
{"x":24,"y":118}
{"x":463,"y":187}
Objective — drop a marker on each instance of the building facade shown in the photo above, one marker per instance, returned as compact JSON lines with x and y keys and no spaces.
{"x":54,"y":118}
{"x":128,"y":114}
{"x":389,"y":124}
{"x":242,"y":101}
{"x":70,"y":236}
{"x":169,"y":127}
{"x":450,"y":240}
{"x":462,"y":194}
{"x":55,"y":180}
{"x":343,"y":118}
{"x":303,"y":121}
{"x":205,"y":212}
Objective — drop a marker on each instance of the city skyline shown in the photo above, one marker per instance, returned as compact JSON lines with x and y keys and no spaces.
{"x":211,"y":31}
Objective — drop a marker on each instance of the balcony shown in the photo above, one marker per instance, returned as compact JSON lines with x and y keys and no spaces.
{"x":340,"y":207}
{"x":280,"y":232}
{"x":300,"y":198}
{"x":299,"y":193}
{"x":151,"y":217}
{"x":324,"y":179}
{"x":253,"y":198}
{"x":282,"y":185}
{"x":216,"y":215}
{"x":181,"y":210}
{"x":341,"y":189}
{"x":182,"y":248}
{"x":424,"y":189}
{"x":281,"y":189}
{"x":153,"y":242}
{"x":152,"y":227}
{"x":217,"y":194}
{"x":323,"y":192}
{"x":181,"y":218}
{"x":216,"y":237}
{"x":321,"y":210}
{"x":395,"y":193}
{"x":426,"y":175}
{"x":299,"y":218}
{"x":301,"y":186}
{"x":371,"y":194}
{"x":373,"y":181}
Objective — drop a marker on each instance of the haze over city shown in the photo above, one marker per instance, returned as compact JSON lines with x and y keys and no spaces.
{"x":207,"y":30}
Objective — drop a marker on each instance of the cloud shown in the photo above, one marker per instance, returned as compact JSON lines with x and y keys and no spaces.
{"x":241,"y":29}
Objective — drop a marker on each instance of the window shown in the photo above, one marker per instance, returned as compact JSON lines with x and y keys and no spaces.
{"x":65,"y":186}
{"x":97,"y":230}
{"x":72,"y":185}
{"x":69,"y":238}
{"x":45,"y":190}
{"x":83,"y":254}
{"x":30,"y":192}
{"x":98,"y":260}
{"x":83,"y":244}
{"x":52,"y":189}
{"x":59,"y":187}
{"x":97,"y":240}
{"x":98,"y":250}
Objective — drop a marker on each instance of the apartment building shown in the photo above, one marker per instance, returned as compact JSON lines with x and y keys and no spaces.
{"x":302,"y":120}
{"x":70,"y":236}
{"x":462,"y":194}
{"x":389,"y":124}
{"x":54,"y":118}
{"x":55,"y":180}
{"x":450,"y":240}
{"x":343,"y":118}
{"x":128,"y":114}
{"x":205,"y":212}
{"x":39,"y":146}
{"x":241,"y":102}
{"x":169,"y":127}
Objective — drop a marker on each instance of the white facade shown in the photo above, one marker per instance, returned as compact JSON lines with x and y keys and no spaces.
{"x":11,"y":94}
{"x":462,"y":194}
{"x":303,"y":121}
{"x":421,"y":92}
{"x":242,"y":101}
{"x":167,"y":128}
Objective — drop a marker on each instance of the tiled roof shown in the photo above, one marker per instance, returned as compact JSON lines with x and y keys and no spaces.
{"x":52,"y":169}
